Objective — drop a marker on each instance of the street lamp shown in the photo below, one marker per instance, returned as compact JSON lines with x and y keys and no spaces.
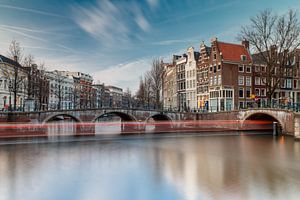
{"x":10,"y":89}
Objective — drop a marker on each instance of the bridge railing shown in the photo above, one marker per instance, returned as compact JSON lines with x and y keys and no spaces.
{"x":211,"y":109}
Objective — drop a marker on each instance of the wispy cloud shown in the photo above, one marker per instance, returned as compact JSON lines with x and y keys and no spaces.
{"x":171,"y":42}
{"x":195,"y":14}
{"x":33,"y":30}
{"x":124,"y":75}
{"x":44,"y":42}
{"x":110,"y":22}
{"x":34,"y":11}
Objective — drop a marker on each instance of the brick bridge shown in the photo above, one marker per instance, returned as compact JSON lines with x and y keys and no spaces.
{"x":289,"y":121}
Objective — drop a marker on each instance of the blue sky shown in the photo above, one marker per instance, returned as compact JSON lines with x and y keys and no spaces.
{"x":116,"y":40}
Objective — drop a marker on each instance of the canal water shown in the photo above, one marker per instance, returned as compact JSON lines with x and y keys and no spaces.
{"x":159,"y":168}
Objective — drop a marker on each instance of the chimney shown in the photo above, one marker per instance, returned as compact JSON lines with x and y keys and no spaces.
{"x":16,"y":58}
{"x":245,"y":43}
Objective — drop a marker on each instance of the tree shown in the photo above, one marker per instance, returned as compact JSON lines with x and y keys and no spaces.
{"x":155,"y":76}
{"x":41,"y":86}
{"x":148,"y":85}
{"x":274,"y":40}
{"x":140,"y":92}
{"x":15,"y":75}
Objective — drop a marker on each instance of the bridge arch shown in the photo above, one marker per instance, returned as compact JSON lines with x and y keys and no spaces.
{"x":159,"y":117}
{"x":124,"y":116}
{"x":49,"y":118}
{"x":161,"y":123}
{"x":264,"y":116}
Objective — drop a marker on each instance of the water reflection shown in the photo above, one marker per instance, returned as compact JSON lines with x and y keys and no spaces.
{"x":230,"y":167}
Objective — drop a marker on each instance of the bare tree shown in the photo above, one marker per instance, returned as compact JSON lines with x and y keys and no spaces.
{"x":140,"y":94}
{"x":148,"y":85}
{"x":274,"y":39}
{"x":155,"y":76}
{"x":16,"y":75}
{"x":41,"y":86}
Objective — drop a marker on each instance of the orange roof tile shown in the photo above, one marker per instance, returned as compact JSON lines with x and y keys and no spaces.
{"x":233,"y":52}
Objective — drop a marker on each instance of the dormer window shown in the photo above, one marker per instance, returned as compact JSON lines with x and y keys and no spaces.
{"x":243,"y":57}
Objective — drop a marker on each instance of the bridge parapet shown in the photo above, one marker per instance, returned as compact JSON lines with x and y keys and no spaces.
{"x":286,"y":118}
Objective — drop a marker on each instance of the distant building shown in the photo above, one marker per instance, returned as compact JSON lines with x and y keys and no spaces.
{"x":202,"y":78}
{"x":116,"y":94}
{"x":288,"y":90}
{"x":61,"y":91}
{"x":170,"y":87}
{"x":180,"y":62}
{"x":99,"y":95}
{"x":191,"y":78}
{"x":87,"y":96}
{"x":7,"y":78}
{"x":230,"y":76}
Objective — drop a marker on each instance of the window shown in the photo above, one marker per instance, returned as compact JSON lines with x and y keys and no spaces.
{"x":241,"y":104}
{"x":243,"y":57}
{"x":295,"y":84}
{"x":215,"y":56}
{"x":257,"y":68}
{"x":263,"y":68}
{"x":219,"y":80}
{"x":241,"y":68}
{"x":263,"y":81}
{"x":241,"y":92}
{"x":257,"y":92}
{"x":219,"y":67}
{"x":241,"y":80}
{"x":211,"y":81}
{"x":210,"y":69}
{"x":248,"y":80}
{"x":248,"y":92}
{"x":248,"y":69}
{"x":215,"y":80}
{"x":263,"y":92}
{"x":215,"y":68}
{"x":288,"y":83}
{"x":257,"y":80}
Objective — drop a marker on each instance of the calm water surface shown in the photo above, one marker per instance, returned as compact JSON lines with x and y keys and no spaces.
{"x":191,"y":168}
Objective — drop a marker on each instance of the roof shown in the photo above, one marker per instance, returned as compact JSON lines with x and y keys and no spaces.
{"x":9,"y":61}
{"x":233,"y":52}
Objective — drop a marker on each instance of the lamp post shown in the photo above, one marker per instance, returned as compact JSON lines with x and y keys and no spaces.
{"x":10,"y":89}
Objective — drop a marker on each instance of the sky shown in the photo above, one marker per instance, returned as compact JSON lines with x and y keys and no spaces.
{"x":116,"y":40}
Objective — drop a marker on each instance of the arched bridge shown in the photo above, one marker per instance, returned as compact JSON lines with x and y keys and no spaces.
{"x":287,"y":119}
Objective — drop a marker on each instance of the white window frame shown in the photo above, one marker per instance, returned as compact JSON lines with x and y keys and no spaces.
{"x":263,"y":93}
{"x":241,"y":80}
{"x":257,"y":80}
{"x":248,"y":80}
{"x":242,"y":67}
{"x":248,"y":67}
{"x":258,"y":89}
{"x":243,"y":92}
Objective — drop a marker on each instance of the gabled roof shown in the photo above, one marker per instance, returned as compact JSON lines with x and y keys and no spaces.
{"x":233,"y":52}
{"x":9,"y":61}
